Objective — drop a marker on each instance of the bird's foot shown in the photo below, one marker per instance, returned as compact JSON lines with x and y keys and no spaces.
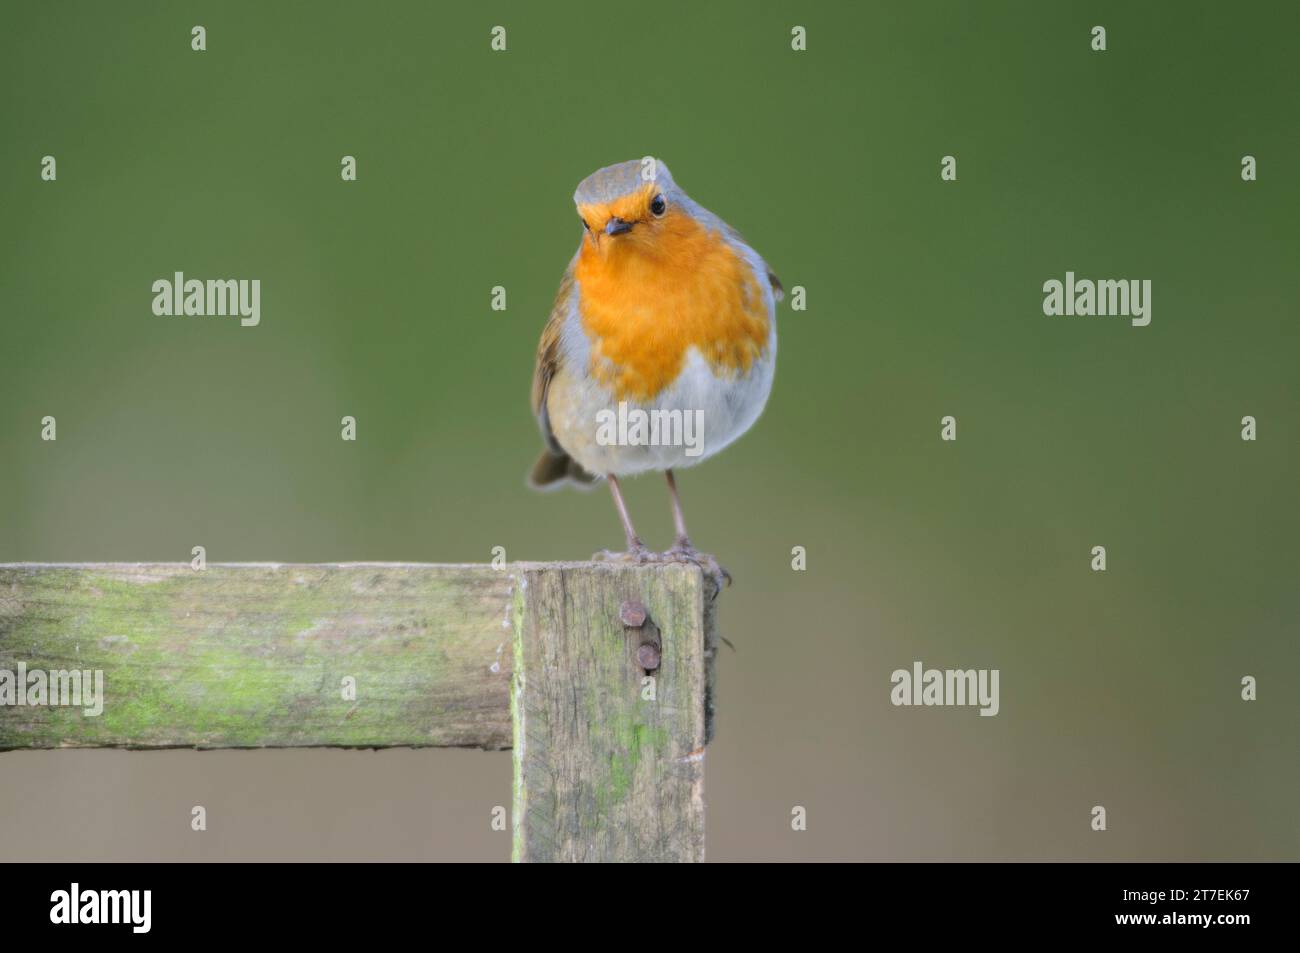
{"x":637,"y":552}
{"x":684,"y":552}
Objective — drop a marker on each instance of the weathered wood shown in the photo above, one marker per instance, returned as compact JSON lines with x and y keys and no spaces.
{"x":601,"y":772}
{"x":254,"y":655}
{"x":553,"y":657}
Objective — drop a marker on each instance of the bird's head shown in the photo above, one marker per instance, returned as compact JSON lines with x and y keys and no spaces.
{"x":630,"y":205}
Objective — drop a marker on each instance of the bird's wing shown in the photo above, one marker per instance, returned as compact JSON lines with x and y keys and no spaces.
{"x":549,"y":356}
{"x":777,"y":289}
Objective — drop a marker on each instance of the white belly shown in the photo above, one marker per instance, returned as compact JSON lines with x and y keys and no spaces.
{"x":698,"y":415}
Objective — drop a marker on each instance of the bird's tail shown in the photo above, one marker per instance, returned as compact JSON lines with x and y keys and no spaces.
{"x":554,"y":470}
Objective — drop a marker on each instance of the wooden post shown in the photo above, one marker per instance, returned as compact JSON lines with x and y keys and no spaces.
{"x":599,"y":675}
{"x":609,"y":736}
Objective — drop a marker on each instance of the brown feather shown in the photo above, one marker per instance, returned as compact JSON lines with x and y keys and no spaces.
{"x":558,"y":469}
{"x":554,"y":465}
{"x":777,"y":289}
{"x":548,"y":355}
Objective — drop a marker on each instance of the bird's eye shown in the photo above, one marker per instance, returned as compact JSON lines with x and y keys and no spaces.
{"x":658,"y":206}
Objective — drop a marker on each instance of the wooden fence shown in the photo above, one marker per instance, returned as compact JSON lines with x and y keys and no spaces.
{"x":599,"y":676}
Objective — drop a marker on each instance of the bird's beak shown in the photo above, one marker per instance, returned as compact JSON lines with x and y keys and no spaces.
{"x":616,"y":226}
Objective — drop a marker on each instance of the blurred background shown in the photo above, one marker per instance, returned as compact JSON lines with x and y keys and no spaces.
{"x":924,"y":299}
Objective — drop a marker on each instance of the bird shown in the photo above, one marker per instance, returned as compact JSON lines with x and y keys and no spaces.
{"x":660,"y":348}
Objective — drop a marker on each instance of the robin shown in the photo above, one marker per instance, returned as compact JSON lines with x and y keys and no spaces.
{"x":661,"y":345}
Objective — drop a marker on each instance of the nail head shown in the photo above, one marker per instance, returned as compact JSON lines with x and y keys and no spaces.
{"x":647,"y":656}
{"x":632,"y":613}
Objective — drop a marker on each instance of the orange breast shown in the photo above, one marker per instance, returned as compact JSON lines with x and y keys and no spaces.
{"x":649,"y":296}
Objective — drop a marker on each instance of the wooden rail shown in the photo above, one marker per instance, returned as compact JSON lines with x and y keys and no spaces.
{"x":598,"y":675}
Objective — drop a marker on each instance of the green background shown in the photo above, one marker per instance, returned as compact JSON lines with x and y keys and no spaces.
{"x":924,"y":299}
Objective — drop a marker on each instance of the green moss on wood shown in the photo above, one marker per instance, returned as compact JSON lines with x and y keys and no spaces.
{"x":253,"y":656}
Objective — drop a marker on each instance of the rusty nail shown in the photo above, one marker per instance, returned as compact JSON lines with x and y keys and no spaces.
{"x":647,"y":656}
{"x":632,"y":614}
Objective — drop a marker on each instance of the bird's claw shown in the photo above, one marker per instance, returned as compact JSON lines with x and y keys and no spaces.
{"x":637,"y":553}
{"x":684,"y":552}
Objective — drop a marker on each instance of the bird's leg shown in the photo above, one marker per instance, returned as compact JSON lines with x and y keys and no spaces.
{"x":682,"y":548}
{"x":683,"y":542}
{"x":635,"y":548}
